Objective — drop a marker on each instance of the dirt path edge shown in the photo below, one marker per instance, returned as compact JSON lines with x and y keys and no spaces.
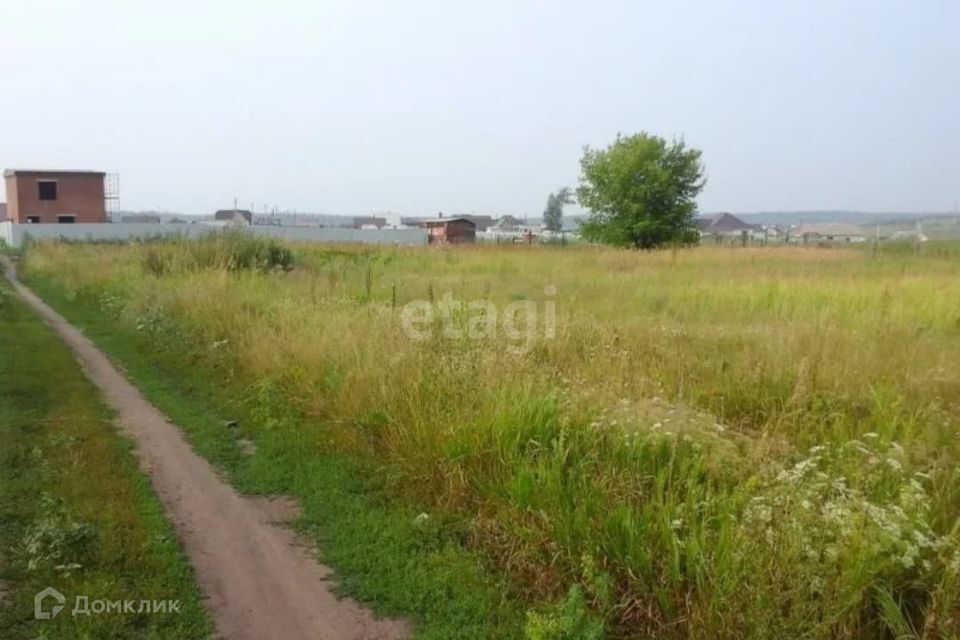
{"x":260,"y":580}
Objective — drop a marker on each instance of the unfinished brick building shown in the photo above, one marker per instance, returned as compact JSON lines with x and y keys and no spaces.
{"x":53,"y":197}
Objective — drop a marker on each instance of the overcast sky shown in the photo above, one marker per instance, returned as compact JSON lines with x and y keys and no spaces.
{"x":418,"y":106}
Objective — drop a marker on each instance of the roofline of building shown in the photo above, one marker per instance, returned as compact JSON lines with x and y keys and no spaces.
{"x":443,"y":220}
{"x":9,"y":173}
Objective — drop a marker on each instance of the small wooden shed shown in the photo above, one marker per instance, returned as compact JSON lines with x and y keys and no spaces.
{"x":450,"y":230}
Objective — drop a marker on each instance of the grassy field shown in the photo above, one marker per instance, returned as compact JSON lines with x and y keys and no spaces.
{"x":76,"y":513}
{"x":707,"y":443}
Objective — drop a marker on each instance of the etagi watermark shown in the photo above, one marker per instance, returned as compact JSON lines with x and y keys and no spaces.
{"x":49,"y":603}
{"x":520,"y":324}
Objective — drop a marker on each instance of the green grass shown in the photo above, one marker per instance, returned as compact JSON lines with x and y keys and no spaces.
{"x":385,"y":556}
{"x":715,"y":443}
{"x":76,"y":513}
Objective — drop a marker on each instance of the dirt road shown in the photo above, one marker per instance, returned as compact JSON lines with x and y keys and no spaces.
{"x":260,"y":580}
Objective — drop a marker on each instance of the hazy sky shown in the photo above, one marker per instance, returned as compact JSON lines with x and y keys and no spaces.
{"x":419,"y":106}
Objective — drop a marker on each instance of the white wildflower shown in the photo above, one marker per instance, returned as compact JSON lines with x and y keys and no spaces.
{"x":909,"y":557}
{"x":816,"y":584}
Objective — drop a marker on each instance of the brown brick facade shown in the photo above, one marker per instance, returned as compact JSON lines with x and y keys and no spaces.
{"x":450,"y":230}
{"x":55,"y":196}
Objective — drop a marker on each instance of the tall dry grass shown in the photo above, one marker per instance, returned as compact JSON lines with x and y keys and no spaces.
{"x":717,"y":443}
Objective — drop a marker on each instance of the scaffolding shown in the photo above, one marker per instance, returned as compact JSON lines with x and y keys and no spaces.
{"x":111,"y":195}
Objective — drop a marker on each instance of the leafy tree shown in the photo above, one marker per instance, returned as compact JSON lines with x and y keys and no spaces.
{"x":553,"y":214}
{"x":641,"y":191}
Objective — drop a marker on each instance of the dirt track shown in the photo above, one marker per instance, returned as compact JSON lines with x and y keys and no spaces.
{"x":260,"y":580}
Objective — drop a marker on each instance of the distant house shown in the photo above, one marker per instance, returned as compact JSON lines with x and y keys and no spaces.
{"x":481,"y":223}
{"x":141,"y":218}
{"x":459,"y":230}
{"x":507,"y":223}
{"x":828,"y":232}
{"x":723,"y":224}
{"x":234,"y":216}
{"x":768,"y":233}
{"x":369,"y":222}
{"x":406,"y":221}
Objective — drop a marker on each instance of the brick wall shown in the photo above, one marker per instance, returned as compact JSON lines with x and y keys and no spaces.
{"x":77,"y":194}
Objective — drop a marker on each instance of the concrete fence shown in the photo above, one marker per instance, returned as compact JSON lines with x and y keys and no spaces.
{"x":15,"y":234}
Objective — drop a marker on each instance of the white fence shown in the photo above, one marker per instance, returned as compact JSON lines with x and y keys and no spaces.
{"x":15,"y":234}
{"x":333,"y":234}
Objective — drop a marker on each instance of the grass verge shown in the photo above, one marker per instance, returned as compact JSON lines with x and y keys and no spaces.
{"x":76,"y":513}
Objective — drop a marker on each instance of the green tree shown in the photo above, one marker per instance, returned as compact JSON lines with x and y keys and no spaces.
{"x":553,"y":213}
{"x":641,"y":191}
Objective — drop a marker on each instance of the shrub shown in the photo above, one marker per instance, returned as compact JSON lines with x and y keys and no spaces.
{"x":230,"y":251}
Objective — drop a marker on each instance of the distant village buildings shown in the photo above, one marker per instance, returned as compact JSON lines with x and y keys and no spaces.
{"x":369,"y":222}
{"x":234,"y":216}
{"x":481,"y":223}
{"x":726,"y":228}
{"x":723,"y":224}
{"x":140,"y":218}
{"x":48,"y":197}
{"x":828,"y":232}
{"x":505,"y":229}
{"x":508,"y":223}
